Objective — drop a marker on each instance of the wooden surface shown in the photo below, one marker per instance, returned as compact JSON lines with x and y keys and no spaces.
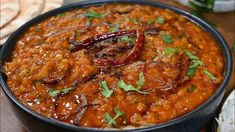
{"x":226,"y":26}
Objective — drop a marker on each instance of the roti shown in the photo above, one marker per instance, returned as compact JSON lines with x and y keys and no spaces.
{"x":9,"y":10}
{"x":28,"y":10}
{"x":52,"y":4}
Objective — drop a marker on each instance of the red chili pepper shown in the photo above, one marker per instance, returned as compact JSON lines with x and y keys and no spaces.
{"x":99,"y":38}
{"x":134,"y":54}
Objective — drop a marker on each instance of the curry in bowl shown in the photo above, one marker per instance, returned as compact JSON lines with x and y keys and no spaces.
{"x":115,"y":66}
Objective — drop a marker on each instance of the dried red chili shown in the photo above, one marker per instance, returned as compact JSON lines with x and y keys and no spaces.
{"x":134,"y":54}
{"x":99,"y":38}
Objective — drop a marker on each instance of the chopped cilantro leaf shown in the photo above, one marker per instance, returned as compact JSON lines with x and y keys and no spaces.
{"x":60,"y":14}
{"x":193,"y":67}
{"x":150,"y":22}
{"x":93,"y":14}
{"x":127,"y":39}
{"x":171,"y":51}
{"x":141,"y":80}
{"x":135,"y":20}
{"x":160,"y":20}
{"x":121,"y":84}
{"x":191,"y":72}
{"x":191,"y":56}
{"x":53,"y":93}
{"x":105,"y":90}
{"x":210,"y":75}
{"x":118,"y":112}
{"x":196,"y":62}
{"x":113,"y":29}
{"x":109,"y":120}
{"x":199,"y":7}
{"x":166,"y":38}
{"x":127,"y":19}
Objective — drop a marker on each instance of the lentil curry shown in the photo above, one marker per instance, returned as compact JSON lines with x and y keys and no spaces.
{"x":115,"y":65}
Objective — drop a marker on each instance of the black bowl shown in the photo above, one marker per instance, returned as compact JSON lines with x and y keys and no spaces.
{"x":191,"y":121}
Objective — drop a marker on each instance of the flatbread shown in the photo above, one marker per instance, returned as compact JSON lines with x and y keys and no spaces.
{"x":28,"y":10}
{"x":52,"y":4}
{"x":9,"y":10}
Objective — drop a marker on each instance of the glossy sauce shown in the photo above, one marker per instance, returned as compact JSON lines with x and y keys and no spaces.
{"x":42,"y":62}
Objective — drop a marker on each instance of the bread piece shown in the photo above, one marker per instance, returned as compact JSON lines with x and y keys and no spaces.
{"x":28,"y":10}
{"x":52,"y":4}
{"x":9,"y":10}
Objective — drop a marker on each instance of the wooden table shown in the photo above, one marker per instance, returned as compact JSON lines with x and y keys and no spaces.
{"x":226,"y":26}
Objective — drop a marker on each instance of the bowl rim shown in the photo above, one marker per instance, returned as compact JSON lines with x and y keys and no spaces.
{"x":215,"y":34}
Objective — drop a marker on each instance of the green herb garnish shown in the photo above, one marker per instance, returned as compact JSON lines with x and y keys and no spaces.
{"x":129,"y":87}
{"x":121,"y":84}
{"x":196,"y":62}
{"x":150,"y":22}
{"x":160,"y":20}
{"x":166,"y":38}
{"x":191,"y":89}
{"x":202,"y":6}
{"x":193,"y":67}
{"x":135,"y":20}
{"x":233,"y":47}
{"x":127,"y":19}
{"x":105,"y":89}
{"x":93,"y":14}
{"x":191,"y":55}
{"x":210,"y":75}
{"x":127,"y":39}
{"x":191,"y":71}
{"x":141,"y":80}
{"x":109,"y":120}
{"x":113,"y":29}
{"x":199,"y":7}
{"x":60,"y":14}
{"x":53,"y":93}
{"x":171,"y":51}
